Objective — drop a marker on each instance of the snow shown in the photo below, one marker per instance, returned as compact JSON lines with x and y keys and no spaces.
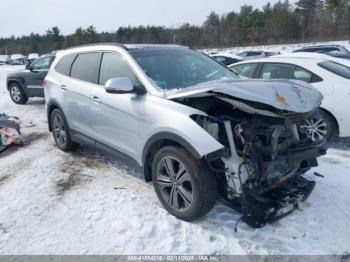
{"x":79,"y":203}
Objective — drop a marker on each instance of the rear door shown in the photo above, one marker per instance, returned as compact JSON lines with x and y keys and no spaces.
{"x":77,"y":89}
{"x":36,"y":74}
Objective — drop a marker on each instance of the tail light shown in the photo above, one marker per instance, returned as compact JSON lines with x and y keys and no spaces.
{"x":45,"y":83}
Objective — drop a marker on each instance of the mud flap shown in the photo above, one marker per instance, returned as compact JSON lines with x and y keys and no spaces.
{"x":276,"y":204}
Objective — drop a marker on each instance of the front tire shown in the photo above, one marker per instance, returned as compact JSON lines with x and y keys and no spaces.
{"x":60,"y":131}
{"x":184,"y":185}
{"x":17,"y":94}
{"x":320,"y":126}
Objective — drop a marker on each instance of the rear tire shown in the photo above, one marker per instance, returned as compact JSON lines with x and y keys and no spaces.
{"x":17,"y":94}
{"x":60,"y":131}
{"x":190,"y":191}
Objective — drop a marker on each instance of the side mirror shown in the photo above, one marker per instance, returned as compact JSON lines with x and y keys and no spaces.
{"x":120,"y":85}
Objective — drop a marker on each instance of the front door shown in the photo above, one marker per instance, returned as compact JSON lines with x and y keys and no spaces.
{"x":115,"y":117}
{"x":35,"y":76}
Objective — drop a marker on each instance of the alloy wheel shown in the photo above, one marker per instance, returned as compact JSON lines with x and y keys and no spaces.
{"x":16,"y":93}
{"x":175,"y":183}
{"x":316,"y":128}
{"x":59,"y":130}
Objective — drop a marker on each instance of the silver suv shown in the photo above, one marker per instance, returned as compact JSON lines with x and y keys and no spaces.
{"x":193,"y":127}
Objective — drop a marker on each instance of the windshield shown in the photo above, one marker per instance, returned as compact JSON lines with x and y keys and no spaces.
{"x":180,"y":68}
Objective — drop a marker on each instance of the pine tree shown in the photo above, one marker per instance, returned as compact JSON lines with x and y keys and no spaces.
{"x":307,"y":10}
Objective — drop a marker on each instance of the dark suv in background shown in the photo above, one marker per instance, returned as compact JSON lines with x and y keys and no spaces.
{"x":27,"y":83}
{"x":338,"y":51}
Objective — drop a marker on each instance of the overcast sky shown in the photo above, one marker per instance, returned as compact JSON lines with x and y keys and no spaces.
{"x":21,"y":17}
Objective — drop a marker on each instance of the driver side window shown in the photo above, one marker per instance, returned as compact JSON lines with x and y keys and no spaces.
{"x":113,"y":66}
{"x":41,"y":63}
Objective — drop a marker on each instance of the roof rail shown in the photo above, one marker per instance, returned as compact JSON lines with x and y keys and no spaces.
{"x":94,"y":44}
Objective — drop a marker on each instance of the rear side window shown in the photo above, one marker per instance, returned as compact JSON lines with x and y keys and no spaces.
{"x":246,"y":70}
{"x":301,"y":74}
{"x":330,"y":49}
{"x":277,"y":71}
{"x":338,"y":69}
{"x":112,"y":66}
{"x":65,"y":64}
{"x":85,"y":67}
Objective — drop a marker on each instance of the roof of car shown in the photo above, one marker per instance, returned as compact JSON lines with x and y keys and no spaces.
{"x":251,"y":50}
{"x":154,"y":47}
{"x":320,"y":46}
{"x":227,"y":55}
{"x":283,"y":59}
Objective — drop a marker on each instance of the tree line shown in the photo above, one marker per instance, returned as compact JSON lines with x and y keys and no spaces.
{"x":282,"y":22}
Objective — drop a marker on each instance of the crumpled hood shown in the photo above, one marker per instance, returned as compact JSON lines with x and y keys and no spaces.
{"x":291,"y":95}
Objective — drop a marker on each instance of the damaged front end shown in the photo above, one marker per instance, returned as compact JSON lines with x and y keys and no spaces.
{"x":265,"y":151}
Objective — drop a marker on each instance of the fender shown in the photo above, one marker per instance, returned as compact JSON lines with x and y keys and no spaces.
{"x":20,"y":81}
{"x":146,"y":167}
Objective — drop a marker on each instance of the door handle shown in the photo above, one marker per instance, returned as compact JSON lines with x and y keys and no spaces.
{"x":63,"y":87}
{"x":96,"y":99}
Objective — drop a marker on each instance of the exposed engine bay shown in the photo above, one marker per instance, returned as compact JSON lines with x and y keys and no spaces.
{"x":265,"y":153}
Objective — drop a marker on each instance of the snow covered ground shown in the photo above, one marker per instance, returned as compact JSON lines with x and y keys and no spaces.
{"x":57,"y":203}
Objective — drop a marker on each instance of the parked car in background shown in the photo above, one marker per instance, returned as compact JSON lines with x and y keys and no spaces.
{"x":252,"y":54}
{"x":345,"y":57}
{"x":32,"y":57}
{"x":17,"y":59}
{"x":336,"y":49}
{"x":29,"y":82}
{"x":227,"y":58}
{"x":247,"y":55}
{"x":325,"y":56}
{"x":4,"y":60}
{"x":330,"y":76}
{"x":190,"y":125}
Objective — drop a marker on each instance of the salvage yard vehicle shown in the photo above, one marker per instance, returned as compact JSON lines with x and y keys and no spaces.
{"x":4,"y":60}
{"x":324,"y":49}
{"x":191,"y":126}
{"x":32,"y":57}
{"x":27,"y":83}
{"x":252,"y":54}
{"x":17,"y":59}
{"x":227,"y":58}
{"x":329,"y":75}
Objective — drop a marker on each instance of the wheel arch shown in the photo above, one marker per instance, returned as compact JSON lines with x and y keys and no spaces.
{"x":333,"y":118}
{"x":50,"y":108}
{"x":158,"y":141}
{"x":19,"y":81}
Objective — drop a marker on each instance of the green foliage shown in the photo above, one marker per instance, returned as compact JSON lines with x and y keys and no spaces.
{"x":273,"y":24}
